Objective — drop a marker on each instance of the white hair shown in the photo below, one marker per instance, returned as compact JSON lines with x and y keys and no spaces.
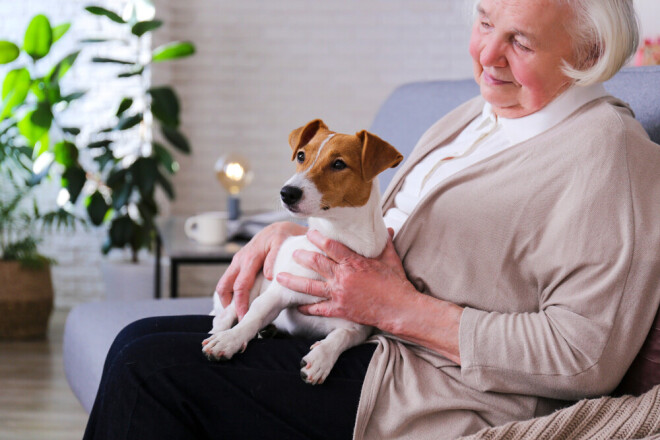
{"x":605,"y":35}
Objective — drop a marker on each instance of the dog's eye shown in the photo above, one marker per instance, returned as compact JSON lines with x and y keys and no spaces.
{"x":338,"y":164}
{"x":300,"y":156}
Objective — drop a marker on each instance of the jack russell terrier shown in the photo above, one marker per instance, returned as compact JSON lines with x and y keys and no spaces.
{"x":334,"y":186}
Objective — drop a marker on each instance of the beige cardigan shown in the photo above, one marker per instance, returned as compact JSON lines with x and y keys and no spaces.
{"x":553,"y":248}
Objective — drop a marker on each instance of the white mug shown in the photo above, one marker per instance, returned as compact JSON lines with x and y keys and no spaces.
{"x":208,"y":227}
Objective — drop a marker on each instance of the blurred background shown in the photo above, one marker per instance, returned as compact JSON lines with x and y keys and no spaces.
{"x":144,"y":96}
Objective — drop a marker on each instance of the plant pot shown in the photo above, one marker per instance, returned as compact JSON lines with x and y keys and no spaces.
{"x":128,"y":281}
{"x":26,"y":301}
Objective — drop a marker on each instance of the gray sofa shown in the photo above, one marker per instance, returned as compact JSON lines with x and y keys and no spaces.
{"x":405,"y":115}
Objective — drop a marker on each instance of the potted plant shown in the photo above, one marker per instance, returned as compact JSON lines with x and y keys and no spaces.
{"x":126,"y":180}
{"x":33,"y":145}
{"x":26,"y":289}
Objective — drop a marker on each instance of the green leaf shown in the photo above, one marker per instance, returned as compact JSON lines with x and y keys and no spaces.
{"x":165,"y":105}
{"x":66,"y":153}
{"x":96,"y":40}
{"x":62,"y":67}
{"x":60,"y":30}
{"x":176,"y":138}
{"x":97,"y":10}
{"x":96,"y":208}
{"x":42,"y":116}
{"x":125,"y":104}
{"x":121,"y":195}
{"x":73,"y":179}
{"x":100,"y":144}
{"x":142,"y":27}
{"x":8,"y":52}
{"x":73,"y":96}
{"x":166,"y":185}
{"x":71,"y":130}
{"x":136,"y":70}
{"x":173,"y":51}
{"x":165,"y":158}
{"x":111,"y":60}
{"x":38,"y":37}
{"x":15,"y":89}
{"x":104,"y":159}
{"x":116,"y":178}
{"x":126,"y":122}
{"x":121,"y":231}
{"x":36,"y":124}
{"x":46,"y":92}
{"x":145,"y":170}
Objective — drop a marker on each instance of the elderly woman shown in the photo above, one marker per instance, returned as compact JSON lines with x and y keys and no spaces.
{"x":525,"y":246}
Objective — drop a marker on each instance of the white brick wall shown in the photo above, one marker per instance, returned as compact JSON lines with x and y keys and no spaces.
{"x":262,"y":68}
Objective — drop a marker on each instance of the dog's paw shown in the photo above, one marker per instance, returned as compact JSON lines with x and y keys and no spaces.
{"x":316,"y":366}
{"x":223,"y":345}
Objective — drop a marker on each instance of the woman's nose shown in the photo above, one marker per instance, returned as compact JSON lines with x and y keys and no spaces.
{"x":492,"y":53}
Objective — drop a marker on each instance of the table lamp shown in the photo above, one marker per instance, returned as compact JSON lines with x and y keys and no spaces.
{"x":233,"y":171}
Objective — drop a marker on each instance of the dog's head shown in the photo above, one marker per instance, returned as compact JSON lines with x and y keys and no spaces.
{"x":333,"y":169}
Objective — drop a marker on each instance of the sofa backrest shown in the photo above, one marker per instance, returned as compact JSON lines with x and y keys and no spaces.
{"x":412,"y":108}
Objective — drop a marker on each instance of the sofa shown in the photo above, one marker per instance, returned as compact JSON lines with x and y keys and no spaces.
{"x":401,"y":120}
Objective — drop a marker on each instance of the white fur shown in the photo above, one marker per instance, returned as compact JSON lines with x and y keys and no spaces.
{"x":361,"y":229}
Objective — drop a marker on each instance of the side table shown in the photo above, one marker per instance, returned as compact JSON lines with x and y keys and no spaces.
{"x":171,"y":238}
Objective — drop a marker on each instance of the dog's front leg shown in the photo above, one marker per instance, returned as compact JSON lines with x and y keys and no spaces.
{"x":263,"y":310}
{"x":318,"y":363}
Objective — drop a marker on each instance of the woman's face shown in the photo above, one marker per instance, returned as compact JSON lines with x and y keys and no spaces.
{"x":518,"y":48}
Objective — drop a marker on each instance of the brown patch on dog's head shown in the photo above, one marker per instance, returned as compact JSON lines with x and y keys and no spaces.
{"x":344,"y":169}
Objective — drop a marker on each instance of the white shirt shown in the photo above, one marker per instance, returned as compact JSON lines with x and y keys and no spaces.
{"x":485,"y":136}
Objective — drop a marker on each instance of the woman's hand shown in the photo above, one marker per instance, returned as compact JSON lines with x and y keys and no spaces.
{"x":362,"y":290}
{"x":375,"y":292}
{"x":257,"y":255}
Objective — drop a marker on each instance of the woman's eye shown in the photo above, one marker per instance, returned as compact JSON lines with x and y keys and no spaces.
{"x":338,"y":164}
{"x":521,"y":46}
{"x":300,"y":157}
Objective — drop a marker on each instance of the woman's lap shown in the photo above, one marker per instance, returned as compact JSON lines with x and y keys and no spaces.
{"x":157,"y":383}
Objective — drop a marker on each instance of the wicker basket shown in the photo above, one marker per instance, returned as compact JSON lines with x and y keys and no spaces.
{"x":26,"y":301}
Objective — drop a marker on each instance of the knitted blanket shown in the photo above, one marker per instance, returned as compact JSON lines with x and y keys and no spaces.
{"x":605,"y":418}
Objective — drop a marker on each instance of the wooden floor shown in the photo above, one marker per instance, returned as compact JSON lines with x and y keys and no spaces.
{"x":35,"y":399}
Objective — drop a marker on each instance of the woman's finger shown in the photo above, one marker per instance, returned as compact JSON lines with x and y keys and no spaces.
{"x":225,"y":286}
{"x":333,"y":249}
{"x":303,"y":285}
{"x":315,"y":261}
{"x":243,"y":284}
{"x":319,"y":309}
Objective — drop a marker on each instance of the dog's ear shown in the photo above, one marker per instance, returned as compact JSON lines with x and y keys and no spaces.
{"x":377,"y":155}
{"x":301,"y":136}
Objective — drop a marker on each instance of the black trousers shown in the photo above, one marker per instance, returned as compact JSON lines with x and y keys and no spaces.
{"x":157,"y":384}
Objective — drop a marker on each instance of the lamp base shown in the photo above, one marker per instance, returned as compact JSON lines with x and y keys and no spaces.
{"x":233,"y":208}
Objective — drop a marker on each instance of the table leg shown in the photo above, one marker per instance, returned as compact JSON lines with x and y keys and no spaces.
{"x":158,"y":267}
{"x":174,"y":278}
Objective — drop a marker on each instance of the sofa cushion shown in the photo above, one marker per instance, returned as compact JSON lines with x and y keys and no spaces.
{"x":91,"y":328}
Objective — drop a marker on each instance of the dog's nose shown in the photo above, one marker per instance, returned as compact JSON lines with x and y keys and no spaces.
{"x":291,"y":194}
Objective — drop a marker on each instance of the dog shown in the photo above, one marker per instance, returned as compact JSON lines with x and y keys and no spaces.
{"x":335,"y":187}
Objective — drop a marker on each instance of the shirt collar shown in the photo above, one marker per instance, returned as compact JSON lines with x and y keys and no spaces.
{"x":521,"y":129}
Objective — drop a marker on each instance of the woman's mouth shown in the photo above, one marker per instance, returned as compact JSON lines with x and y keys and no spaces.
{"x":492,"y":81}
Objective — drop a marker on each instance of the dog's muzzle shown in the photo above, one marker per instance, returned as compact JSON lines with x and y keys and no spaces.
{"x":291,"y":195}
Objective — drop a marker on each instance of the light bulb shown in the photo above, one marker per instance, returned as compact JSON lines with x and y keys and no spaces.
{"x":233,"y":172}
